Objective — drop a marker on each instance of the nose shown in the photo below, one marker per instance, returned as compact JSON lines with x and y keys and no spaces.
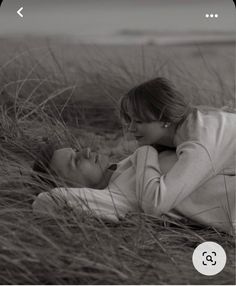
{"x":85,"y":152}
{"x":132,"y":126}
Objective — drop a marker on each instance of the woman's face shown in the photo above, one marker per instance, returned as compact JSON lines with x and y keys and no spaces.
{"x":148,"y":133}
{"x":82,"y":168}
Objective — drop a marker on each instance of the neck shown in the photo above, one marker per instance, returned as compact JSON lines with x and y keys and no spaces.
{"x":168,"y":140}
{"x":105,"y":180}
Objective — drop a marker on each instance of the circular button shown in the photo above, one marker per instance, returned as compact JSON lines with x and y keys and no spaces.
{"x":209,"y":258}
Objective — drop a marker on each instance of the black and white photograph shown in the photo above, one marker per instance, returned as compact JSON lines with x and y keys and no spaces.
{"x":117,"y":142}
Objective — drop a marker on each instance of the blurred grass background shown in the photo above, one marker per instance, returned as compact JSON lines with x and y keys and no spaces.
{"x":56,"y":90}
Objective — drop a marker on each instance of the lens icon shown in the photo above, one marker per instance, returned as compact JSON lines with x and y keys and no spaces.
{"x":209,"y":258}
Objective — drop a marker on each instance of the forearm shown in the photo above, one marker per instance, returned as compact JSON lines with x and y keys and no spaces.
{"x":159,"y":192}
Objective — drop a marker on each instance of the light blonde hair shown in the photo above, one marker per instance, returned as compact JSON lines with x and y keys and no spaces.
{"x":155,"y":100}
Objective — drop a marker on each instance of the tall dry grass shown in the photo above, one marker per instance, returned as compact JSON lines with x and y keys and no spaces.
{"x":68,"y":94}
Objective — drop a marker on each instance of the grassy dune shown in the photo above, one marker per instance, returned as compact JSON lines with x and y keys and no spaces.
{"x":60,"y":91}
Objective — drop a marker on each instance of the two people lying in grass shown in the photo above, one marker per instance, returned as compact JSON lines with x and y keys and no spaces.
{"x":199,"y":179}
{"x":110,"y":191}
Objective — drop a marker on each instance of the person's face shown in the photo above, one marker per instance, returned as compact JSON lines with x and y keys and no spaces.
{"x":82,"y":168}
{"x":148,"y":133}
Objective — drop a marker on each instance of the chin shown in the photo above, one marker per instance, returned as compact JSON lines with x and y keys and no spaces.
{"x":141,"y":143}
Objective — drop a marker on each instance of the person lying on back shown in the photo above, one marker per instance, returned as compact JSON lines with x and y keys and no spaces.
{"x":89,"y":182}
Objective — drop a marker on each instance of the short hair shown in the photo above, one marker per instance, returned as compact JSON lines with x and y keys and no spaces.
{"x":156,"y":99}
{"x":41,"y":166}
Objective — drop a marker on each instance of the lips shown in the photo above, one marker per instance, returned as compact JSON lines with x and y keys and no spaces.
{"x":138,"y":137}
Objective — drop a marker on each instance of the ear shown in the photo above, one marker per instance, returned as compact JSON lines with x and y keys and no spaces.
{"x":166,"y":124}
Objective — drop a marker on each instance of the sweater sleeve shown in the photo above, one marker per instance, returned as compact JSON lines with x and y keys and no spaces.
{"x":98,"y":203}
{"x":158,"y":193}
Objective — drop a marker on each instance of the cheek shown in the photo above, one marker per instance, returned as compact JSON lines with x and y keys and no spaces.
{"x":80,"y":178}
{"x":152,"y":132}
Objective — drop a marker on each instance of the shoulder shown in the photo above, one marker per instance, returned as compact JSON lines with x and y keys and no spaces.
{"x":144,"y":150}
{"x":202,"y":124}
